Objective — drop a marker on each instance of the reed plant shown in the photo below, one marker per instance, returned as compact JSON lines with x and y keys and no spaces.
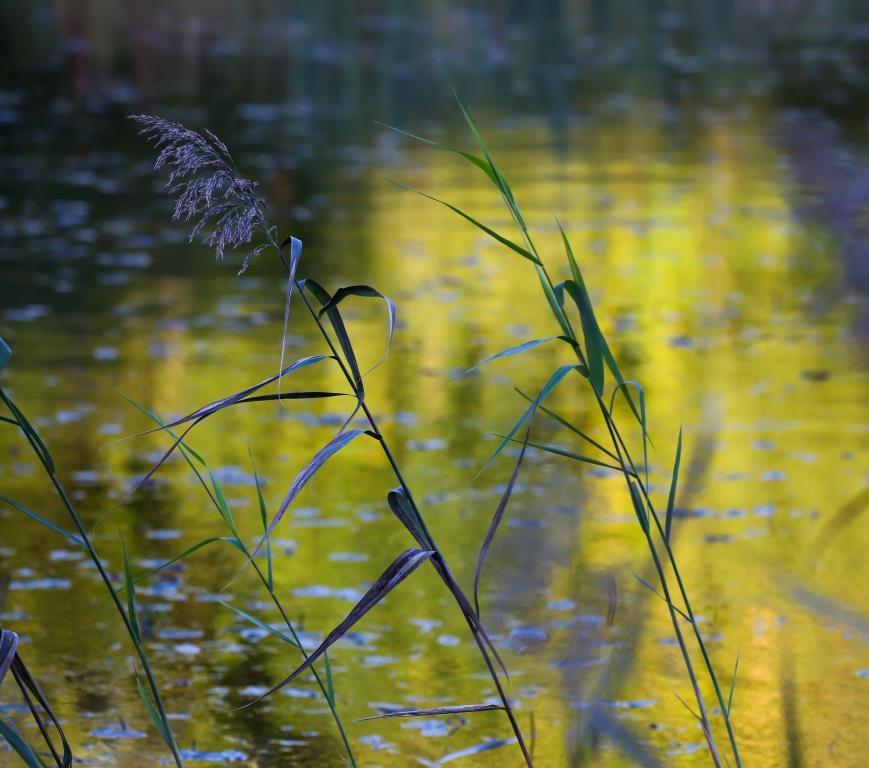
{"x":227,"y":213}
{"x":579,"y":331}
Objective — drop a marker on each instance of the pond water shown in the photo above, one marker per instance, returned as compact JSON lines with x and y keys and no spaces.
{"x":720,"y":234}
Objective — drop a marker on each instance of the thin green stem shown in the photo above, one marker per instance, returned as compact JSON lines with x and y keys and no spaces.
{"x":390,"y":458}
{"x":140,"y":651}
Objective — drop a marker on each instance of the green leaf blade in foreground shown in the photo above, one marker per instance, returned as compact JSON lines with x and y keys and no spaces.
{"x":20,"y":746}
{"x":43,"y":521}
{"x":490,"y":232}
{"x":5,"y":353}
{"x":231,"y":540}
{"x":591,"y":334}
{"x":544,"y":392}
{"x":338,"y":442}
{"x":261,"y":624}
{"x":135,"y":631}
{"x":518,"y":349}
{"x":155,"y":716}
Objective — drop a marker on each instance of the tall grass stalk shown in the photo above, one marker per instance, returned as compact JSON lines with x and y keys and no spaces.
{"x":594,"y":359}
{"x":227,"y":213}
{"x":154,"y":704}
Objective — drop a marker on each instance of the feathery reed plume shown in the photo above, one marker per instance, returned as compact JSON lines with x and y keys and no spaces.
{"x":207,"y":187}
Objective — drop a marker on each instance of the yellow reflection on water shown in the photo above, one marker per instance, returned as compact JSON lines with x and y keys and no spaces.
{"x":715,"y":296}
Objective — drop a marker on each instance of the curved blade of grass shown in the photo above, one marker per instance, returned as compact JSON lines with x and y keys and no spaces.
{"x":42,"y":521}
{"x":224,"y":402}
{"x":559,"y":451}
{"x":261,"y":624}
{"x":591,"y":334}
{"x":639,"y":508}
{"x":460,"y":709}
{"x":295,"y":255}
{"x":496,"y":520}
{"x":544,"y":392}
{"x":152,"y":712}
{"x":8,"y":649}
{"x":264,"y":517}
{"x":641,"y":394}
{"x":476,"y":749}
{"x":400,"y":568}
{"x":311,"y":468}
{"x":337,"y":323}
{"x":608,"y":357}
{"x":490,"y":232}
{"x":131,"y":596}
{"x":231,"y":540}
{"x":19,"y":746}
{"x":471,"y":158}
{"x":5,"y":353}
{"x":732,"y":687}
{"x":30,"y":432}
{"x":518,"y":349}
{"x":330,"y":682}
{"x":671,"y":499}
{"x":565,"y":423}
{"x":222,"y":505}
{"x":365,"y":291}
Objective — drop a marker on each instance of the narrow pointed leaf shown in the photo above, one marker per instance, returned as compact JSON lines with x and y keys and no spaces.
{"x":30,"y":433}
{"x":518,"y":349}
{"x":155,"y":716}
{"x":131,"y":597}
{"x":732,"y":687}
{"x":295,"y":256}
{"x":330,"y":682}
{"x":482,"y":164}
{"x":460,"y":709}
{"x":20,"y":746}
{"x":228,"y":400}
{"x":311,"y":468}
{"x":544,"y":392}
{"x":671,"y":500}
{"x":222,"y":505}
{"x":42,"y":521}
{"x":496,"y":520}
{"x":608,"y":357}
{"x":559,"y":451}
{"x":366,"y":291}
{"x":5,"y":353}
{"x":231,"y":540}
{"x":565,"y":423}
{"x":337,"y":323}
{"x":490,"y":232}
{"x":405,"y":564}
{"x":261,"y":624}
{"x":591,"y":334}
{"x":639,"y":508}
{"x":264,"y":517}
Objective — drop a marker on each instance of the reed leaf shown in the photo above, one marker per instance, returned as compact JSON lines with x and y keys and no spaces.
{"x":400,"y":568}
{"x":461,"y":709}
{"x":496,"y":520}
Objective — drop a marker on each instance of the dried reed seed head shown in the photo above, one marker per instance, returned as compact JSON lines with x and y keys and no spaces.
{"x":206,"y":186}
